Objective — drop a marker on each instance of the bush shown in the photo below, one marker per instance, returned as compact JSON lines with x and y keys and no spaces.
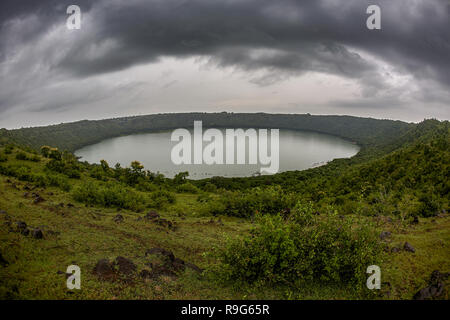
{"x":209,"y":187}
{"x":3,"y":157}
{"x":187,"y":188}
{"x":98,"y":173}
{"x":108,"y":195}
{"x":69,"y":168}
{"x":9,"y":149}
{"x":269,"y":200}
{"x":161,"y":198}
{"x":23,"y":156}
{"x":300,"y":247}
{"x":24,"y":173}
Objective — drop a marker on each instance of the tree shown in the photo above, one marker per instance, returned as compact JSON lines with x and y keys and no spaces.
{"x":45,"y":151}
{"x":136,"y":167}
{"x":104,"y":165}
{"x":180,"y":178}
{"x":55,"y":154}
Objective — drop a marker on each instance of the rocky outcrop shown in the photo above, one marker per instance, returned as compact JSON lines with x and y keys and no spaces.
{"x":435,"y":288}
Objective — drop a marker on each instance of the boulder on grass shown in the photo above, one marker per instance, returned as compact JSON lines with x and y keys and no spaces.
{"x":408,"y":247}
{"x":37,"y":233}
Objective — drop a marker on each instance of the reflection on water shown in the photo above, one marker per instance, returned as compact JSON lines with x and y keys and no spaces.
{"x":299,"y":150}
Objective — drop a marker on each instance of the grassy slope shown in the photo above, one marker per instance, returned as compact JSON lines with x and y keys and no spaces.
{"x":87,"y":234}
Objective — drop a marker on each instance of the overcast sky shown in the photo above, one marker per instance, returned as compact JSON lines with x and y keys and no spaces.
{"x":134,"y":57}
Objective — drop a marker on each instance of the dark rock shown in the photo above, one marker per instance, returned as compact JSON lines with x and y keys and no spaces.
{"x":104,"y":270}
{"x":3,"y":262}
{"x":408,"y":247}
{"x":163,"y":222}
{"x":22,"y":228}
{"x":21,"y":225}
{"x":384,"y":235}
{"x":436,"y":276}
{"x":3,"y":212}
{"x":118,"y":218}
{"x":124,"y":266}
{"x":37,"y":234}
{"x":395,"y":250}
{"x":152,"y":215}
{"x":38,"y":199}
{"x":168,"y":266}
{"x":166,"y":253}
{"x":435,"y":287}
{"x":162,"y":270}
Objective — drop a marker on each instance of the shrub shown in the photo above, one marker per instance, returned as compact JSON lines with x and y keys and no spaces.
{"x":209,"y":187}
{"x":269,"y":200}
{"x":45,"y":151}
{"x":204,"y":197}
{"x":55,"y":154}
{"x":69,"y":168}
{"x":24,"y":173}
{"x":9,"y":149}
{"x":300,"y":247}
{"x":187,"y":188}
{"x":108,"y":195}
{"x":161,"y":198}
{"x":23,"y":156}
{"x":97,"y":172}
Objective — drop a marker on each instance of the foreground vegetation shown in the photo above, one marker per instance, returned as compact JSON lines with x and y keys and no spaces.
{"x":295,"y":235}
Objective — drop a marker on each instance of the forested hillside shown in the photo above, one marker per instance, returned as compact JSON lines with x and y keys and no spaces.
{"x":72,"y":136}
{"x":294,"y":235}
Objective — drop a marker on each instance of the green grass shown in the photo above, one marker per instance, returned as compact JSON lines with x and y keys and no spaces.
{"x":84,"y":234}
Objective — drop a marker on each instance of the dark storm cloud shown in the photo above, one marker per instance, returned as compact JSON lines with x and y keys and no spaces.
{"x":308,"y":35}
{"x":283,"y":37}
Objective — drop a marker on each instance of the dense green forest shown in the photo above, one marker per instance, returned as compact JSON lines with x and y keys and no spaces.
{"x":72,"y":136}
{"x":301,"y":234}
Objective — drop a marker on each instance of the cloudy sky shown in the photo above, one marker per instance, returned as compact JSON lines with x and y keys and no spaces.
{"x":134,"y":57}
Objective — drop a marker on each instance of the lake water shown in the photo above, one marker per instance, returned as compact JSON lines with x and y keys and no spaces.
{"x":299,"y":150}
